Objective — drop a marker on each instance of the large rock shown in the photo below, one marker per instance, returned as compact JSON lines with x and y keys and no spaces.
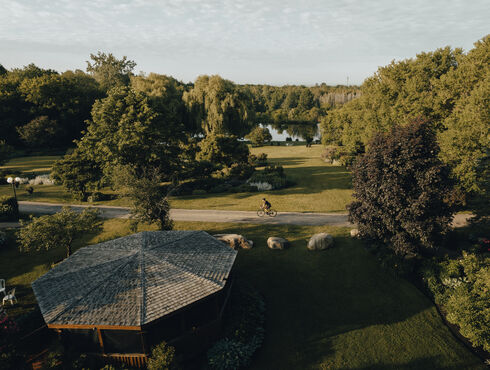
{"x":319,"y":242}
{"x":354,"y":233}
{"x":235,"y":241}
{"x":277,"y":243}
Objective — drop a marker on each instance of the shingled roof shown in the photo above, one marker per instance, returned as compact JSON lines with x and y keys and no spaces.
{"x":133,"y":280}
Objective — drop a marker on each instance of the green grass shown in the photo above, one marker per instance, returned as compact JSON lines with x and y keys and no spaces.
{"x":318,"y":187}
{"x":334,"y":309}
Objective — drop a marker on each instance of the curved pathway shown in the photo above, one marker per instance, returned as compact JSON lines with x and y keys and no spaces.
{"x":283,"y":218}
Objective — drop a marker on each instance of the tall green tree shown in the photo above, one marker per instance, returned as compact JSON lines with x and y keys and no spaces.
{"x":219,"y":107}
{"x":259,"y":136}
{"x":401,"y":189}
{"x":109,"y":71}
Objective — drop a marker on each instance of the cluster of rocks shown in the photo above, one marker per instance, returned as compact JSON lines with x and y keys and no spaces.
{"x":317,"y":242}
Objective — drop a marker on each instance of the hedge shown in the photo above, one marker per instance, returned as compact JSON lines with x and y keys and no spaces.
{"x":9,"y":209}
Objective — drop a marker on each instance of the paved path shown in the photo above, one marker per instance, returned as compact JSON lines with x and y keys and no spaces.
{"x":283,"y":218}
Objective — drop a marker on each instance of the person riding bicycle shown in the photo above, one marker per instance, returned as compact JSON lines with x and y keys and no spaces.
{"x":266,"y":206}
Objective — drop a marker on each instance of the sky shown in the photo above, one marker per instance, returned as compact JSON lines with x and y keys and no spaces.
{"x":247,"y":41}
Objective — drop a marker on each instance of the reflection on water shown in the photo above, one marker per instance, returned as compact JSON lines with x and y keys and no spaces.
{"x":301,"y":132}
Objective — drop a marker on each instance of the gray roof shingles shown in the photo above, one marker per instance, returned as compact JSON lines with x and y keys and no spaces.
{"x":133,"y":280}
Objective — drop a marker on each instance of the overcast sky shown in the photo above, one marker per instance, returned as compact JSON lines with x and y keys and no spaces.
{"x":247,"y":41}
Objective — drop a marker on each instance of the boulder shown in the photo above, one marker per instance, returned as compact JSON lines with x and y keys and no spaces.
{"x":235,"y":241}
{"x":354,"y":233}
{"x":319,"y":242}
{"x":277,"y":243}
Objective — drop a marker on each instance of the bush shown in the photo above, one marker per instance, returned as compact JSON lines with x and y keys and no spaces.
{"x":331,"y":153}
{"x":96,"y":196}
{"x":236,"y":171}
{"x":462,"y":288}
{"x":29,"y":190}
{"x":162,"y":357}
{"x":272,"y":175}
{"x":42,"y":180}
{"x":9,"y":209}
{"x":245,"y":188}
{"x":222,"y":188}
{"x":244,"y":330}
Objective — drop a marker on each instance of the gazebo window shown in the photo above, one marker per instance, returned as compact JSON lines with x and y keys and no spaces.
{"x":122,"y":341}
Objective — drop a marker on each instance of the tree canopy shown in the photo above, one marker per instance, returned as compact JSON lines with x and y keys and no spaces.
{"x":109,"y":71}
{"x":401,"y":190}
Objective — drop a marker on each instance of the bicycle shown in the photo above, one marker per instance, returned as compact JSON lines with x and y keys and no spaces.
{"x":269,"y":212}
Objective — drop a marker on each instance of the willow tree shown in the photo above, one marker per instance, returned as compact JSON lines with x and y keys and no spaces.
{"x":219,"y":106}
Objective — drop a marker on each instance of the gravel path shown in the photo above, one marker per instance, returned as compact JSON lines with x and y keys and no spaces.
{"x":282,"y":218}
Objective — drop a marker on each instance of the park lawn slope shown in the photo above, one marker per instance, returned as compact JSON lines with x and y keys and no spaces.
{"x":317,"y":187}
{"x":334,"y":309}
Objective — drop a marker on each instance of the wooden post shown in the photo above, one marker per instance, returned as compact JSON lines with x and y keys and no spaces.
{"x":143,"y":342}
{"x":101,"y":342}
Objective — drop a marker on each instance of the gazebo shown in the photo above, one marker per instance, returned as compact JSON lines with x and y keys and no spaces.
{"x":118,"y":298}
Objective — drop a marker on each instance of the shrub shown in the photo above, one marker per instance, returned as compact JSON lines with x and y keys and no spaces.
{"x":222,"y":188}
{"x":272,"y":177}
{"x":244,"y":330}
{"x":9,"y":209}
{"x":262,"y":159}
{"x":162,"y":357}
{"x":259,"y":136}
{"x":462,"y":287}
{"x":42,"y":180}
{"x":96,"y":196}
{"x":331,"y":153}
{"x":237,"y":171}
{"x":29,"y":190}
{"x":245,"y":188}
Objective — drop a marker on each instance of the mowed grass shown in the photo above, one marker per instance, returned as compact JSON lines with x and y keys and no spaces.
{"x":318,"y":187}
{"x":335,"y":309}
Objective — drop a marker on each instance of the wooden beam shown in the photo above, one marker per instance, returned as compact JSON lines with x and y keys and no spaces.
{"x":102,"y":327}
{"x":101,"y":342}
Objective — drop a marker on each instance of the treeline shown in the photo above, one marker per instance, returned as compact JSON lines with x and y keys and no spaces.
{"x":43,"y":110}
{"x":447,"y":87}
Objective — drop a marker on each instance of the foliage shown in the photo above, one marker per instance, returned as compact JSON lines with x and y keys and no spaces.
{"x":222,"y":150}
{"x":219,"y":107}
{"x":162,"y":357}
{"x":237,"y":171}
{"x":331,"y":154}
{"x":446,"y":86}
{"x":462,"y":287}
{"x":244,"y":330}
{"x":109,"y":71}
{"x":259,"y":136}
{"x":148,"y":197}
{"x":400,"y":188}
{"x":39,"y":132}
{"x":9,"y":209}
{"x":78,"y":173}
{"x":273,"y":175}
{"x":29,"y":190}
{"x":54,"y":231}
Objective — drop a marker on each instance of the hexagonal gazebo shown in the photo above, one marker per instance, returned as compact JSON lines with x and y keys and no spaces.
{"x":120,"y":297}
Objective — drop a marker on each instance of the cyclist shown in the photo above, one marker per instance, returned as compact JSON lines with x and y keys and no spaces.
{"x":266,"y":206}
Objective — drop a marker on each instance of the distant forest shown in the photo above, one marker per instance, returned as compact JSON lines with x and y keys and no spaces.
{"x":42,"y":109}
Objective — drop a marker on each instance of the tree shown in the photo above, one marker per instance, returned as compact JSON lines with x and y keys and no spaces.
{"x":78,"y":173}
{"x":58,"y":230}
{"x":125,"y":130}
{"x":218,"y":106}
{"x":259,"y":135}
{"x":110,"y":71}
{"x":400,"y":190}
{"x":148,"y":197}
{"x":222,"y":150}
{"x":39,"y":132}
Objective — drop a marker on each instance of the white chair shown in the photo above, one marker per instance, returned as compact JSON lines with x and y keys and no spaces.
{"x":2,"y":286}
{"x":10,"y":297}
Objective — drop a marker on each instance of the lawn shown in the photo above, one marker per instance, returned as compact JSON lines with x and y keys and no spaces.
{"x":318,"y":187}
{"x":334,"y":309}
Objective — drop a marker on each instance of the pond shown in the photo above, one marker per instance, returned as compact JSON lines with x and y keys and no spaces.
{"x":280,"y":132}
